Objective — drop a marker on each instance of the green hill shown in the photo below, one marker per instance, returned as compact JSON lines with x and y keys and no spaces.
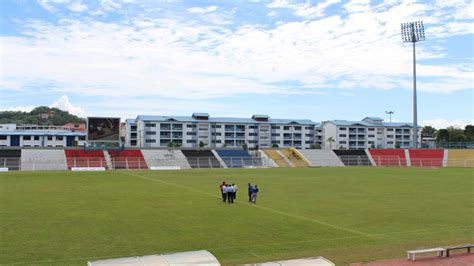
{"x":40,"y":115}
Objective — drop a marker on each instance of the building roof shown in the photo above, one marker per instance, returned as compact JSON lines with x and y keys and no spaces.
{"x":368,"y":124}
{"x":42,"y":133}
{"x":189,"y":119}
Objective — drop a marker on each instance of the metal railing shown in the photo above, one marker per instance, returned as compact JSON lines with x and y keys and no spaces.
{"x":230,"y":162}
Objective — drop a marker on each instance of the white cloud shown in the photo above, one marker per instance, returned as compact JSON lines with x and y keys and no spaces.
{"x":201,"y":10}
{"x":303,"y":9}
{"x":444,"y":123}
{"x":272,"y":14}
{"x":77,"y":6}
{"x":110,"y":4}
{"x":193,"y":59}
{"x":64,"y":104}
{"x":49,"y":4}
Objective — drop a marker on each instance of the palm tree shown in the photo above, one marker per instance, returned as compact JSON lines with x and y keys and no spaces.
{"x":331,"y":141}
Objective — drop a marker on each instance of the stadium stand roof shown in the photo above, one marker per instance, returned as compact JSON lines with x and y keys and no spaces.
{"x":200,"y":257}
{"x":190,"y":119}
{"x":313,"y":261}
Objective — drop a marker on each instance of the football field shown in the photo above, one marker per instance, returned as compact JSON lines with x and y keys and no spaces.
{"x":344,"y":214}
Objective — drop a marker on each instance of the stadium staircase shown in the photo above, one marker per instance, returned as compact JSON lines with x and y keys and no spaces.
{"x":353,"y":157}
{"x":108,"y":159}
{"x":318,"y":157}
{"x":201,"y":159}
{"x":224,"y":165}
{"x":426,"y":157}
{"x":389,"y":157}
{"x":127,"y":159}
{"x":43,"y":160}
{"x":85,"y":158}
{"x":277,"y":157}
{"x":10,"y":159}
{"x":165,"y":158}
{"x":295,"y":157}
{"x":460,"y":158}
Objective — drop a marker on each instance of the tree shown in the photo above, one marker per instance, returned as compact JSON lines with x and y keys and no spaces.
{"x":245,"y":146}
{"x":456,"y":134}
{"x":331,"y":141}
{"x":428,"y":131}
{"x":170,"y":144}
{"x":372,"y":146}
{"x":274,"y":145}
{"x":397,"y":145}
{"x":469,"y":132}
{"x":443,"y":135}
{"x":201,"y":144}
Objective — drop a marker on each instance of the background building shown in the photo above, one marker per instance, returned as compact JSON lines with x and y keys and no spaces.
{"x":371,"y":132}
{"x":257,"y":131}
{"x":12,"y":135}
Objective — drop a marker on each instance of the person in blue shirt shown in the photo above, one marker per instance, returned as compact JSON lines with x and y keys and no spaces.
{"x":254,"y":194}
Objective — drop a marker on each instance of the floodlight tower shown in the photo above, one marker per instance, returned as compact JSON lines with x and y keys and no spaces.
{"x":414,"y":32}
{"x":390,"y":113}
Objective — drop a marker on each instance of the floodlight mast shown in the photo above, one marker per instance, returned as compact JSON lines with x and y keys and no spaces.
{"x":390,"y":113}
{"x":414,"y":32}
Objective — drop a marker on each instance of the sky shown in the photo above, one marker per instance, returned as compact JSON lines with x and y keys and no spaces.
{"x":318,"y":60}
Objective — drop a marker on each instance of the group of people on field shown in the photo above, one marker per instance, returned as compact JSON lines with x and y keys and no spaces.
{"x":229,"y":192}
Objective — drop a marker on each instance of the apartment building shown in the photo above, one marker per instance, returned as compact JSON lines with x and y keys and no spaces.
{"x":370,"y":132}
{"x":12,"y":135}
{"x":215,"y":132}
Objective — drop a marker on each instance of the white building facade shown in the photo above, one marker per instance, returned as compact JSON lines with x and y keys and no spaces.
{"x":216,"y":132}
{"x":12,"y":135}
{"x":371,"y":132}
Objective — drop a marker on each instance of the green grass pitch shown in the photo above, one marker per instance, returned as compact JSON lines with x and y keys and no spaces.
{"x":345,"y":214}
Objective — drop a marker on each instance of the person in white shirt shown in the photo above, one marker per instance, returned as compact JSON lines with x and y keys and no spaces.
{"x":230,"y":193}
{"x":235,"y":190}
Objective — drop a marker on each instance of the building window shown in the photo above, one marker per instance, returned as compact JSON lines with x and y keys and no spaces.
{"x":150,"y":133}
{"x":371,"y":136}
{"x":191,"y":141}
{"x":3,"y":137}
{"x":150,"y":125}
{"x":253,"y":134}
{"x":342,"y":128}
{"x":309,"y":135}
{"x":253,"y":127}
{"x":342,"y":142}
{"x":133,"y":128}
{"x":297,"y":128}
{"x":82,"y":137}
{"x":216,"y":126}
{"x":37,"y":137}
{"x":342,"y":135}
{"x":216,"y":141}
{"x":253,"y":141}
{"x":371,"y":129}
{"x":133,"y":135}
{"x":389,"y":129}
{"x":191,"y":133}
{"x":191,"y":126}
{"x":133,"y":142}
{"x":216,"y":134}
{"x":389,"y":142}
{"x":150,"y":140}
{"x":26,"y":137}
{"x":59,"y":137}
{"x":276,"y":127}
{"x":286,"y":128}
{"x":50,"y":137}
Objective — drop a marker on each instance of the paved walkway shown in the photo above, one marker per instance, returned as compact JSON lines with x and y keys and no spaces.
{"x":457,"y":259}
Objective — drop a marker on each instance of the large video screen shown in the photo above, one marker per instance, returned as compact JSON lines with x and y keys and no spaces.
{"x":103,"y":129}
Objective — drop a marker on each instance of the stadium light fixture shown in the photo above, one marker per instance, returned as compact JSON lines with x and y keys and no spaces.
{"x":414,"y":32}
{"x":390,"y":113}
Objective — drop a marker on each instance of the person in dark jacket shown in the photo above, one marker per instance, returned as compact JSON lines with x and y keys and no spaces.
{"x":250,"y":191}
